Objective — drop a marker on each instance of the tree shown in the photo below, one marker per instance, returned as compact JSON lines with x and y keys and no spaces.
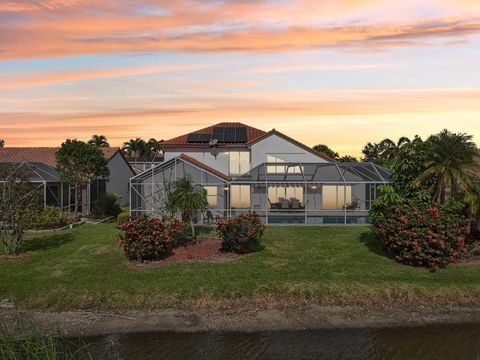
{"x":99,"y":141}
{"x":79,"y":164}
{"x":347,"y":158}
{"x":451,"y":164}
{"x":2,"y":143}
{"x":324,"y":149}
{"x":154,"y":148}
{"x":187,"y":198}
{"x":135,"y":148}
{"x":407,"y":165}
{"x":19,"y":205}
{"x":382,"y":153}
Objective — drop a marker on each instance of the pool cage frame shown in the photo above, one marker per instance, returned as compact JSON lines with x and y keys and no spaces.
{"x":46,"y":180}
{"x":355,"y":185}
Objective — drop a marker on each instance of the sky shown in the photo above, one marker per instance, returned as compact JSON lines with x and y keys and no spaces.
{"x":336,"y":72}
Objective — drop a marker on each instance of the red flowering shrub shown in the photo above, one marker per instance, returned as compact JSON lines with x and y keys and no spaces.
{"x":240,"y":234}
{"x":422,"y":234}
{"x":147,"y":238}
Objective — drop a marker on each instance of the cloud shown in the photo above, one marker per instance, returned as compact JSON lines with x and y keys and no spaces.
{"x":34,"y":29}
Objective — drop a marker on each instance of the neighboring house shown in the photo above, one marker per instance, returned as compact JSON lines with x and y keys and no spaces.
{"x":142,"y":163}
{"x":40,"y":162}
{"x":247,"y":169}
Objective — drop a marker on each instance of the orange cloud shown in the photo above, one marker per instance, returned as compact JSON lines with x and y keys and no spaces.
{"x":61,"y":28}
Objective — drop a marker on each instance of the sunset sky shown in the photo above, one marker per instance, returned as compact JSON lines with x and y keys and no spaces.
{"x":338,"y":72}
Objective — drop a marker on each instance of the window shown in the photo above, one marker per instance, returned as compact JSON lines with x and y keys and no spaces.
{"x":281,"y":169}
{"x":335,"y":197}
{"x":239,"y":162}
{"x":211,"y":195}
{"x":275,"y":193}
{"x":240,"y":196}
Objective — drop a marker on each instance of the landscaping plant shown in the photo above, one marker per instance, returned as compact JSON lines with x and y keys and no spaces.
{"x":123,"y":217}
{"x":148,"y":238}
{"x":51,"y":217}
{"x":241,"y":234}
{"x":106,"y":205}
{"x":419,"y":233}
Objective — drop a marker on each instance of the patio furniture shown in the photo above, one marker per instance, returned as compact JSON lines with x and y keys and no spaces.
{"x":284,"y":203}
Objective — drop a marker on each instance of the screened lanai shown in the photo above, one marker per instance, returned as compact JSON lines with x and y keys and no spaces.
{"x":53,"y":191}
{"x":280,"y":193}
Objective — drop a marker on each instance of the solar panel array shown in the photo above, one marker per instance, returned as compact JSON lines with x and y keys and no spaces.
{"x":222,"y":134}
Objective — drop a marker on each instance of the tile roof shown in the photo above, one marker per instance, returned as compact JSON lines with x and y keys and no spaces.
{"x":204,"y":167}
{"x":44,"y":155}
{"x":252,"y":134}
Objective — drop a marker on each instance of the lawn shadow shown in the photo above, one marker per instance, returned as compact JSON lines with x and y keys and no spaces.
{"x":373,"y":243}
{"x":47,"y":242}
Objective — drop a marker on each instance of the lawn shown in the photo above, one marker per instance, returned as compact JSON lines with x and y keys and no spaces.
{"x":85,"y":268}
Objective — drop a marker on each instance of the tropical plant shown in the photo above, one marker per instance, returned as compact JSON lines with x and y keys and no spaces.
{"x":79,"y":164}
{"x":19,"y":206}
{"x":135,"y":148}
{"x":148,"y":238}
{"x":382,"y":153}
{"x":451,"y":164}
{"x":49,"y":218}
{"x":106,"y":205}
{"x":241,"y":234}
{"x":99,"y":141}
{"x":188,"y":199}
{"x":154,"y":148}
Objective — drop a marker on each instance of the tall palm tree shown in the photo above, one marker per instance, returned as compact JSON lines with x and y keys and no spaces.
{"x":188,"y":198}
{"x":452,"y":163}
{"x":135,"y":148}
{"x":99,"y":141}
{"x":390,"y":149}
{"x":154,"y":147}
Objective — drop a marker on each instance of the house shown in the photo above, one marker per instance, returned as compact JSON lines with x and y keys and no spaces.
{"x":243,"y":168}
{"x":141,"y":163}
{"x":41,"y":165}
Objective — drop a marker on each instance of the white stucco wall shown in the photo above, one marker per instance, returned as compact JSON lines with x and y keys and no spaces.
{"x":284,"y":149}
{"x":220,"y":163}
{"x":118,"y":182}
{"x":272,"y":145}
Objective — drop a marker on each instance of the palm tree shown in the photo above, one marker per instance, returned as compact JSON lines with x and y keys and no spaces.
{"x":135,"y":148}
{"x":99,"y":141}
{"x":154,"y":147}
{"x":188,"y":198}
{"x":2,"y":143}
{"x":452,"y":163}
{"x":389,"y":149}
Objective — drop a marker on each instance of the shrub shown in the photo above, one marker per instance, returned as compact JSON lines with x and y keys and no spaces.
{"x":106,"y":205}
{"x":51,"y":217}
{"x":240,"y":234}
{"x":423,"y":234}
{"x":148,"y":238}
{"x":123,"y":217}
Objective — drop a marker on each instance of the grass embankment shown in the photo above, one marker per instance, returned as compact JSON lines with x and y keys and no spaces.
{"x":85,"y":268}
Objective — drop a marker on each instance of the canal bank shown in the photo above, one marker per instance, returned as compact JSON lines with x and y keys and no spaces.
{"x":238,"y":319}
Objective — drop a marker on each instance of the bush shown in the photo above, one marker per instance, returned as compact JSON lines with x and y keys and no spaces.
{"x":241,"y":234}
{"x":422,"y":234}
{"x":148,"y":238}
{"x":106,"y":205}
{"x":51,"y":217}
{"x":124,"y":216}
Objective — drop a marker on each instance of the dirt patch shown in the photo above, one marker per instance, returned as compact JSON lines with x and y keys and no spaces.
{"x":205,"y":250}
{"x":18,"y":257}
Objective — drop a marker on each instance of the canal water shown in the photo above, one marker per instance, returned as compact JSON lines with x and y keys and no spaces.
{"x":455,"y":342}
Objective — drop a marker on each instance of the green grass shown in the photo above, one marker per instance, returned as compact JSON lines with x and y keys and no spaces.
{"x":85,"y":268}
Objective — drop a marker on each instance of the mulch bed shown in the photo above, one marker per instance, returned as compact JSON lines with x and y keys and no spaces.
{"x":206,"y":250}
{"x":20,"y":256}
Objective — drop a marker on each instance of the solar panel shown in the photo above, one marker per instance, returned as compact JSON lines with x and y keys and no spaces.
{"x":230,"y":134}
{"x":192,"y":137}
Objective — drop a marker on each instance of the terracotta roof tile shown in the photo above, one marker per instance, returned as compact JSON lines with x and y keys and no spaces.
{"x":252,"y":134}
{"x":44,"y":155}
